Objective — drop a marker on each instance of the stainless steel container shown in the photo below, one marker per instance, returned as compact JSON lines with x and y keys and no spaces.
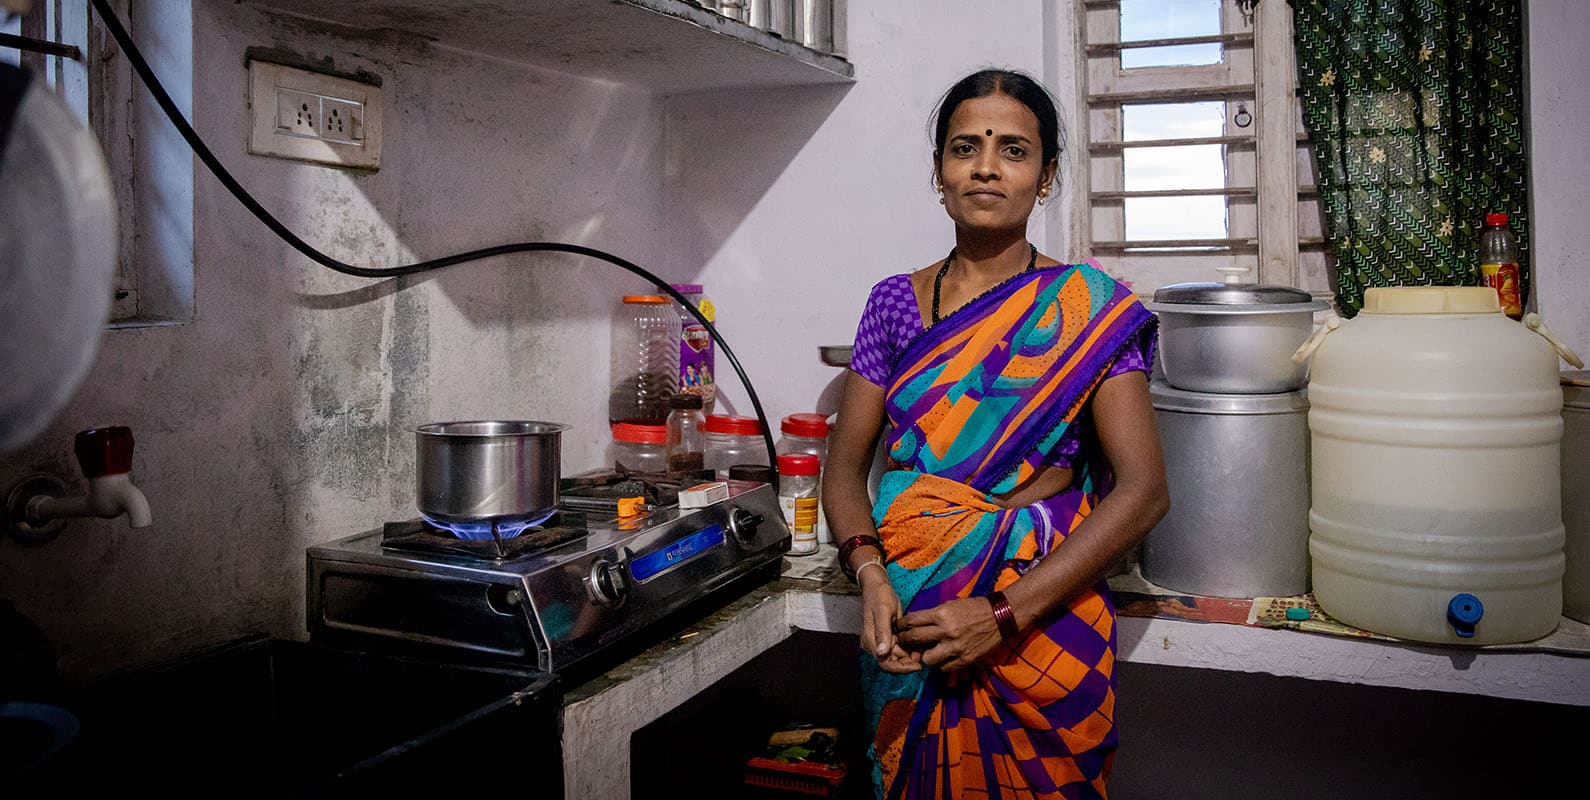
{"x":1237,"y":470}
{"x":774,"y":16}
{"x":1576,"y":494}
{"x":1233,"y":338}
{"x":488,"y":470}
{"x":814,"y":24}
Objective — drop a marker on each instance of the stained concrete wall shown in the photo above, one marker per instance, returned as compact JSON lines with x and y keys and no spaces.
{"x":281,"y":416}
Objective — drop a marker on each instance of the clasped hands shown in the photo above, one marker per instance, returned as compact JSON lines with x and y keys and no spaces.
{"x":949,"y":636}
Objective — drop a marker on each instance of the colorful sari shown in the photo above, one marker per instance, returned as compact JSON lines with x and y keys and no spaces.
{"x":978,"y":403}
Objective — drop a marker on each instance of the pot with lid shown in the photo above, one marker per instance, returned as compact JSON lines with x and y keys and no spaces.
{"x":1232,"y":337}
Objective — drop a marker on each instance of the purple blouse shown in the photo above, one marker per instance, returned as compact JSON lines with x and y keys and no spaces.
{"x":892,"y":319}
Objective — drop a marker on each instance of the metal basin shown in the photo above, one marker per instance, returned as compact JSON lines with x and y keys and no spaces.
{"x":484,"y":471}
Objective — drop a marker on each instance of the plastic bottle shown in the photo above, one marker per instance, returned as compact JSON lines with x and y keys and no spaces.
{"x":686,"y":451}
{"x":797,"y":495}
{"x":645,"y":361}
{"x":1499,"y":264}
{"x":807,"y":433}
{"x":696,"y":364}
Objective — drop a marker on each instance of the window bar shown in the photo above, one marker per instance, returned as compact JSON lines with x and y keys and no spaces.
{"x":45,"y":46}
{"x":1229,"y":191}
{"x":1112,"y":147}
{"x":1107,"y":48}
{"x":1172,"y":95}
{"x":1167,"y":244}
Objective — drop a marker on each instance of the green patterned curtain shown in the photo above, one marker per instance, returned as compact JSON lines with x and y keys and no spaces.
{"x":1415,"y":109}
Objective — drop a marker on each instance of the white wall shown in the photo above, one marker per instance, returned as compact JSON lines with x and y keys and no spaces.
{"x":1559,"y":117}
{"x":854,"y":205}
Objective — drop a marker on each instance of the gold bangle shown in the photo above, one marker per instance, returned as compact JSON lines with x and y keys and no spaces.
{"x":871,"y":562}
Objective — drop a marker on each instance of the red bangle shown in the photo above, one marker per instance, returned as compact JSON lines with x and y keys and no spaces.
{"x":850,"y":546}
{"x":1003,"y":616}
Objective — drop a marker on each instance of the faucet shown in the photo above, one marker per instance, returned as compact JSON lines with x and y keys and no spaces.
{"x":37,"y":509}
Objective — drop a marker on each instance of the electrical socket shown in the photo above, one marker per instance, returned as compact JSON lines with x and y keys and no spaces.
{"x":341,"y":120}
{"x":310,"y":116}
{"x":297,"y":112}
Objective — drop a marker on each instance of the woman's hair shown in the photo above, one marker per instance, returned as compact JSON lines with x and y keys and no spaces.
{"x":1015,"y":85}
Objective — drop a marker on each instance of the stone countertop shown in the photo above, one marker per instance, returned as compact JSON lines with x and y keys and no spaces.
{"x":600,"y":715}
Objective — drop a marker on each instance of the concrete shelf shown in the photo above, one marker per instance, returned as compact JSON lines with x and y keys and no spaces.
{"x":661,"y":46}
{"x":600,"y":716}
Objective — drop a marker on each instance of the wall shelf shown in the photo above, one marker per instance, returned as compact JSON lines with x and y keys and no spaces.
{"x":661,"y":46}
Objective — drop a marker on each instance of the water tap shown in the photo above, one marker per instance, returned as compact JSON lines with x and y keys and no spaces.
{"x":37,"y":509}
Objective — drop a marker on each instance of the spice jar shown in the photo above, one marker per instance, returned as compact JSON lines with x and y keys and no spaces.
{"x":640,"y":448}
{"x":797,"y":496}
{"x":686,"y":451}
{"x":730,"y":441}
{"x":807,"y":433}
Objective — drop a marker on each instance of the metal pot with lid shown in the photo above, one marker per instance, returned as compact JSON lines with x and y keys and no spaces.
{"x":1232,"y":337}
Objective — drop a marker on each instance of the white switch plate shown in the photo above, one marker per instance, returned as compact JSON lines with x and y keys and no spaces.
{"x":310,"y":116}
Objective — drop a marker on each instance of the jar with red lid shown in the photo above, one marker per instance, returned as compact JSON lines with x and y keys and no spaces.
{"x":797,"y":496}
{"x":640,"y":448}
{"x":808,"y":434}
{"x":729,"y":441}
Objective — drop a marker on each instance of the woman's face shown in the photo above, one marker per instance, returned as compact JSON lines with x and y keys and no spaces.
{"x":992,"y":164}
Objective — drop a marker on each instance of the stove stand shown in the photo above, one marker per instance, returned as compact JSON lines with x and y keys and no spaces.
{"x":582,"y":584}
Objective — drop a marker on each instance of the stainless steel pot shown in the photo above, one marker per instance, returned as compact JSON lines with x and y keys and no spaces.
{"x":1233,"y":338}
{"x":1237,"y":470}
{"x":488,"y":470}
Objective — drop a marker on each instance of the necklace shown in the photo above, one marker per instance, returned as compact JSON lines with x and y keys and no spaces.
{"x":938,"y":280}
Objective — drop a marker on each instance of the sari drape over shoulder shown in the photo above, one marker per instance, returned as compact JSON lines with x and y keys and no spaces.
{"x":977,"y":404}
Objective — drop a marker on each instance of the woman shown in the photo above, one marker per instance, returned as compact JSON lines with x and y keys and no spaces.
{"x":1023,"y":464}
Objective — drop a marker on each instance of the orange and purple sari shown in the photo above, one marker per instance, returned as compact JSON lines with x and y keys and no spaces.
{"x":978,"y":403}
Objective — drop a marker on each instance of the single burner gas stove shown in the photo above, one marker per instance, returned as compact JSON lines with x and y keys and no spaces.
{"x":550,"y":595}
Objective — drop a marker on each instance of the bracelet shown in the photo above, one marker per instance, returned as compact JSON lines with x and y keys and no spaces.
{"x":1003,"y":616}
{"x":871,"y":562}
{"x":850,"y":545}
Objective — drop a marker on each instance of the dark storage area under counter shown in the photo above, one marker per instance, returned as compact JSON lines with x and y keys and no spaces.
{"x":701,"y":748}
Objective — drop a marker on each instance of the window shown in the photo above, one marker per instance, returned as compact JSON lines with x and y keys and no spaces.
{"x":154,"y":272}
{"x":1196,"y":157}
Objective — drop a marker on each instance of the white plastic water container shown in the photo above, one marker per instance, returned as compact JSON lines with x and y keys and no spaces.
{"x":1435,"y":426}
{"x":1576,"y":494}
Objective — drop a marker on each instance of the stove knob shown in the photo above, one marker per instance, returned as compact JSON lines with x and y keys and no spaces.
{"x":743,"y":525}
{"x":609,"y":582}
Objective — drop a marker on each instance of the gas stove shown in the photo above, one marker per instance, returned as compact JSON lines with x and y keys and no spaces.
{"x":550,"y":596}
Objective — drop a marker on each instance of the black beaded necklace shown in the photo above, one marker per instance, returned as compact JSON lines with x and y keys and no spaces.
{"x":938,"y":280}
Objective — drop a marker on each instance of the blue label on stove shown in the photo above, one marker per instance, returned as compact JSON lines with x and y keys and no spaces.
{"x":648,"y":566}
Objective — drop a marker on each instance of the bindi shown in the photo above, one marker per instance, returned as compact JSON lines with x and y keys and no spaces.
{"x":989,"y":132}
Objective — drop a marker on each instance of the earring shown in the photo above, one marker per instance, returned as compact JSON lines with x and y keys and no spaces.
{"x":1042,"y":197}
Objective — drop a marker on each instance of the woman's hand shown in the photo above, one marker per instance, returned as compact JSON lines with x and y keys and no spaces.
{"x":953,"y":635}
{"x":880,"y":609}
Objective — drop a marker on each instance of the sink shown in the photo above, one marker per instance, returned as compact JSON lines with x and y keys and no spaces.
{"x":276,"y":718}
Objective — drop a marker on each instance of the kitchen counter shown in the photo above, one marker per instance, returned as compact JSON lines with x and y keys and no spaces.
{"x":600,"y":716}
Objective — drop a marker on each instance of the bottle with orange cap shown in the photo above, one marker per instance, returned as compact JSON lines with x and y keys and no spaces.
{"x":645,"y":361}
{"x":1499,"y":264}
